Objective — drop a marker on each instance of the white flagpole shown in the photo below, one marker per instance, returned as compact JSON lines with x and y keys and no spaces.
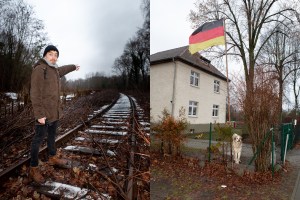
{"x":228,"y":97}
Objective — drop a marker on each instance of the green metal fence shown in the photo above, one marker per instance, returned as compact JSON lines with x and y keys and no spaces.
{"x":287,"y":138}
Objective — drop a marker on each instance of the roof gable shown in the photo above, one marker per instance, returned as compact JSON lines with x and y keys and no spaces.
{"x":183,"y":54}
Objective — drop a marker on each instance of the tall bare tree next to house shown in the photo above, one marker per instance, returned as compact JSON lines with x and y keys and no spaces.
{"x":246,"y":22}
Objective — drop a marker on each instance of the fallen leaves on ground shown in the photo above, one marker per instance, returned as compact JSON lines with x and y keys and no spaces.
{"x":183,"y":177}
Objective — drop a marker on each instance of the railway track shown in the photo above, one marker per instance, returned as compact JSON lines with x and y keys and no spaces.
{"x":108,"y":158}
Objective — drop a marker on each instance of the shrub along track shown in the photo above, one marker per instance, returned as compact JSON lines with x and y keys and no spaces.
{"x":108,"y":159}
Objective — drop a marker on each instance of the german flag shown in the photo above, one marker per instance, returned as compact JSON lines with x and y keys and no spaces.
{"x":207,"y":35}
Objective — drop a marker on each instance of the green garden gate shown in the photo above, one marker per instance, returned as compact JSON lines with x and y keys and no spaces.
{"x":286,"y":130}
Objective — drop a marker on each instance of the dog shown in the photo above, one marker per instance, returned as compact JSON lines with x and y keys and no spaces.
{"x":236,"y":147}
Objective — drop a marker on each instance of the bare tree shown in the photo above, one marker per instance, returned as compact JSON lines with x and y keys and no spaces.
{"x":133,"y":65}
{"x":21,"y":39}
{"x":246,"y":21}
{"x":280,"y":54}
{"x":264,"y":106}
{"x":294,"y":81}
{"x":296,"y":88}
{"x":122,"y":67}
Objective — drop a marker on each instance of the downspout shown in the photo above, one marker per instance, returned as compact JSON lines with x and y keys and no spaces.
{"x":174,"y":87}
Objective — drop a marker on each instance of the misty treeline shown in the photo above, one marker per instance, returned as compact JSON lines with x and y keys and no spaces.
{"x":92,"y":81}
{"x":22,"y":37}
{"x":131,"y":69}
{"x":133,"y":65}
{"x":263,"y":37}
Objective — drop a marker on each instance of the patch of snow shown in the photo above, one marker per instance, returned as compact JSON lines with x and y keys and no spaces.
{"x":101,"y":126}
{"x":121,"y":133}
{"x":68,"y":191}
{"x":145,"y":123}
{"x":115,"y":116}
{"x":92,"y":167}
{"x":114,"y":122}
{"x":82,"y":149}
{"x":12,"y":95}
{"x":111,"y":153}
{"x":108,"y":127}
{"x":114,"y":170}
{"x":80,"y":139}
{"x":110,"y":141}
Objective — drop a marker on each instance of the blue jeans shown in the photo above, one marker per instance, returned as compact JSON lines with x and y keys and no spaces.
{"x":40,"y":132}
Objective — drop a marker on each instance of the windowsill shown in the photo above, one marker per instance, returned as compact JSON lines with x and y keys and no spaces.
{"x":192,"y":116}
{"x":217,"y":92}
{"x":215,"y":117}
{"x":195,"y":86}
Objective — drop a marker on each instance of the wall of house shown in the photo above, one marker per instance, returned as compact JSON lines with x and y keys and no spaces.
{"x":203,"y":94}
{"x":161,"y":83}
{"x":161,"y":87}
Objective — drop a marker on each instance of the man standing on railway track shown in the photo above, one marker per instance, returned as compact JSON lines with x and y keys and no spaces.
{"x":45,"y":98}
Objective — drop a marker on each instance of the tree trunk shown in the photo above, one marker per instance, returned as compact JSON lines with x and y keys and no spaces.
{"x":257,"y":125}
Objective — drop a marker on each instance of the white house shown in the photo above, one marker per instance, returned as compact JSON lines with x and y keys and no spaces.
{"x":180,"y":79}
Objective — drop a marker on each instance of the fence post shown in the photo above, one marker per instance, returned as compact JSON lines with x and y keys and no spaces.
{"x":282,"y":142}
{"x":290,"y":137}
{"x":287,"y":139}
{"x":273,"y":148}
{"x":286,"y":145}
{"x":260,"y":146}
{"x":209,"y":143}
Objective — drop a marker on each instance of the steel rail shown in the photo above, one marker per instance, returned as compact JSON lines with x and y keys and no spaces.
{"x":130,"y":188}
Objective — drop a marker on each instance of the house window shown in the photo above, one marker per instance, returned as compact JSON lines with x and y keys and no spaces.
{"x":194,"y":78}
{"x":215,"y":112}
{"x":216,"y":86}
{"x":193,"y":108}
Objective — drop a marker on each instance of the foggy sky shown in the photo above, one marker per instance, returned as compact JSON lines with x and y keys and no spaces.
{"x":170,"y":27}
{"x":89,"y":33}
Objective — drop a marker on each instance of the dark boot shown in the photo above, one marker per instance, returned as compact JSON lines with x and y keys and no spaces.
{"x":54,"y":160}
{"x":35,"y":174}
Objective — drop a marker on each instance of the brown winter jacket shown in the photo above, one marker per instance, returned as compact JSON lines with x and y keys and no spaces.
{"x":45,"y":90}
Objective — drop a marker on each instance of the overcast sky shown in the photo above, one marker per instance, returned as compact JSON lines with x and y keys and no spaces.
{"x":90,"y":33}
{"x":170,"y":27}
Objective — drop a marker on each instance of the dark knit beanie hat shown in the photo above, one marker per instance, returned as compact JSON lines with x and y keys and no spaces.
{"x":50,"y":48}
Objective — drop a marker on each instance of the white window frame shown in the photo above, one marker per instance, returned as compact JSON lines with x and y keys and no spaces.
{"x":216,"y":86}
{"x":193,"y":108}
{"x":194,"y":78}
{"x":215,"y":111}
